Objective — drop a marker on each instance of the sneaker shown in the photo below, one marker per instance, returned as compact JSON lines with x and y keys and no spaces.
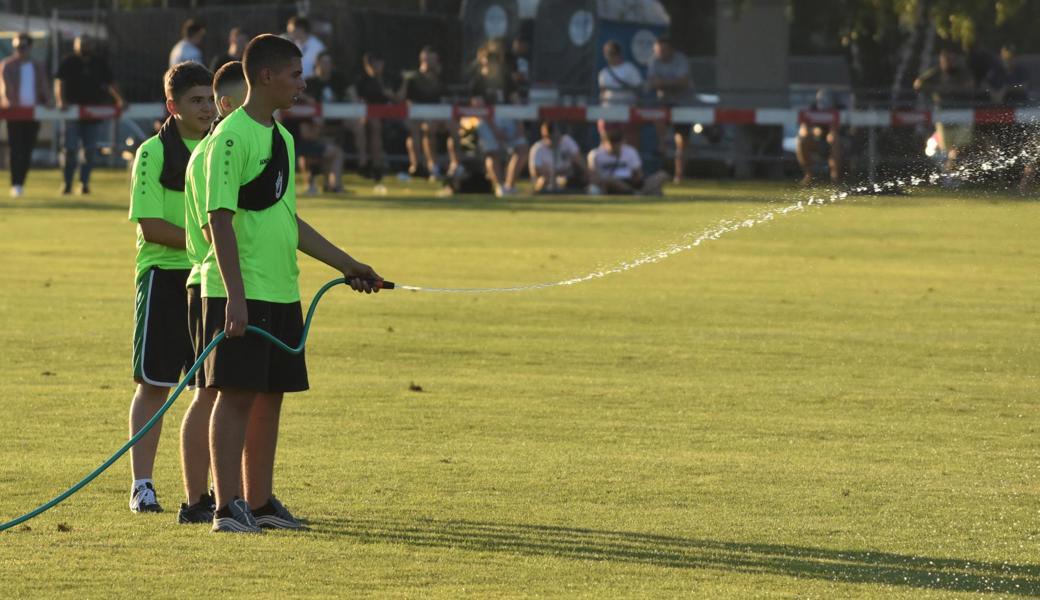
{"x":435,"y":174}
{"x":235,"y":518}
{"x":200,"y":512}
{"x":66,"y":189}
{"x":17,"y":191}
{"x":84,"y":189}
{"x":275,"y":516}
{"x":143,"y":500}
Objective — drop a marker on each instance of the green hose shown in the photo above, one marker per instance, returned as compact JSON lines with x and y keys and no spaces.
{"x":176,"y":393}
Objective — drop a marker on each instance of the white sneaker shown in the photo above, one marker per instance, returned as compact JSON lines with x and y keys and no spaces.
{"x":17,"y":191}
{"x":499,"y":191}
{"x":380,"y":190}
{"x":595,"y":191}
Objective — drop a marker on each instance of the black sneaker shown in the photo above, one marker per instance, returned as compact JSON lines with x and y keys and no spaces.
{"x":235,"y":518}
{"x":143,"y":500}
{"x":200,"y":512}
{"x":210,"y":499}
{"x":275,"y":516}
{"x":84,"y":189}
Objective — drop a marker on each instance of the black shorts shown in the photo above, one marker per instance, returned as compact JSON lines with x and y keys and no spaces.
{"x":252,"y":362}
{"x":197,"y":331}
{"x":162,"y":346}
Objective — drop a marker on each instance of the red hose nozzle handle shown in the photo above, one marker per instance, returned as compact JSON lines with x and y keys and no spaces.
{"x":379,"y":284}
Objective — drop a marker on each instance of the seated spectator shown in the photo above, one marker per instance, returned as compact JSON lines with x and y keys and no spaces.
{"x":189,"y":48}
{"x":502,"y":141}
{"x":615,"y":167}
{"x":237,"y":42}
{"x":298,"y":29}
{"x":556,"y":163}
{"x":669,"y":78}
{"x":950,"y":85}
{"x":817,"y":141}
{"x":424,"y":86}
{"x":1008,"y":81}
{"x":318,"y":154}
{"x":371,"y":89}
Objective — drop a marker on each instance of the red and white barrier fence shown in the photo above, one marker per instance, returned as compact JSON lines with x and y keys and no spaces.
{"x":614,"y":114}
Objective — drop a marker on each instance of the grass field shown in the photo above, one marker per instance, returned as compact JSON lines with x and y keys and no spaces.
{"x":840,"y":404}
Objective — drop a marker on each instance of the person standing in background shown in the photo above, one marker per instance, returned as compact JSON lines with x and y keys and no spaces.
{"x":298,"y":29}
{"x":83,"y":77}
{"x":189,"y":48}
{"x":23,"y":84}
{"x":237,"y":40}
{"x":669,"y":78}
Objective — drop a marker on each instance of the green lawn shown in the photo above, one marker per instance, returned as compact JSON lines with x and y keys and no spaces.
{"x":839,"y":404}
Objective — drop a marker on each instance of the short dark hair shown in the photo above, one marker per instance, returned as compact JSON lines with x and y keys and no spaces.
{"x":228,"y":75}
{"x":665,"y":39}
{"x":191,"y":27}
{"x":24,"y":39}
{"x":613,"y":46}
{"x":183,"y":76}
{"x":300,"y":23}
{"x":267,"y":51}
{"x":549,"y":125}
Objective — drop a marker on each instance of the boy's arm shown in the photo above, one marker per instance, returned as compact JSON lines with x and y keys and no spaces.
{"x":225,"y":244}
{"x":360,"y":276}
{"x":161,"y":231}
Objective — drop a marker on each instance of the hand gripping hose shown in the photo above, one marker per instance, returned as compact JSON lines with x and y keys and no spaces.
{"x":385,"y":285}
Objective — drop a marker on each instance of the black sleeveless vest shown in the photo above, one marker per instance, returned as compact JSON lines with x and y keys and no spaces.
{"x":267,"y":188}
{"x":175,"y":156}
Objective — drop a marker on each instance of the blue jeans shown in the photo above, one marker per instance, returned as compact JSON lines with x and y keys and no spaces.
{"x":87,"y":134}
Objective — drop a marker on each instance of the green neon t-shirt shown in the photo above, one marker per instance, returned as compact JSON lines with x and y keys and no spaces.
{"x":194,"y":211}
{"x":150,"y":200}
{"x":237,"y":152}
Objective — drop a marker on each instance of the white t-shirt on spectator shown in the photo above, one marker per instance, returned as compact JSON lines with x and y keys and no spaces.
{"x":27,"y":84}
{"x":552,"y":161}
{"x":311,"y":48}
{"x":623,"y":166}
{"x":619,"y":85}
{"x":185,"y":50}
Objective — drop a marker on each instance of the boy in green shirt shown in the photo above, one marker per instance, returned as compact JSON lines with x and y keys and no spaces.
{"x":162,"y":347}
{"x":249,"y":277}
{"x":229,"y":92}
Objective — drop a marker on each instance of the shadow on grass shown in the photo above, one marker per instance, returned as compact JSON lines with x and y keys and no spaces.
{"x":843,"y":566}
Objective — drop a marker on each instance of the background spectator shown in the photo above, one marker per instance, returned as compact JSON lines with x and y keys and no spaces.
{"x":615,"y":167}
{"x":620,"y":81}
{"x":83,"y":77}
{"x":189,"y":48}
{"x":320,"y":155}
{"x":519,"y":63}
{"x":298,"y":30}
{"x":950,"y":84}
{"x":1008,"y":80}
{"x":23,"y":84}
{"x":370,"y":88}
{"x":556,"y":163}
{"x":237,"y":42}
{"x":424,"y":86}
{"x":816,"y":141}
{"x":669,"y":78}
{"x":502,"y":141}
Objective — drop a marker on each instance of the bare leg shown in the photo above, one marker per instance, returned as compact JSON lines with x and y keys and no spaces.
{"x":414,"y":131}
{"x":517,"y":162}
{"x":680,"y":157}
{"x":427,"y":146}
{"x":260,"y":445}
{"x":147,"y":401}
{"x":227,"y":435}
{"x":491,"y":166}
{"x":805,"y":149}
{"x":195,"y":444}
{"x":361,"y":141}
{"x":834,"y":161}
{"x":333,"y":167}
